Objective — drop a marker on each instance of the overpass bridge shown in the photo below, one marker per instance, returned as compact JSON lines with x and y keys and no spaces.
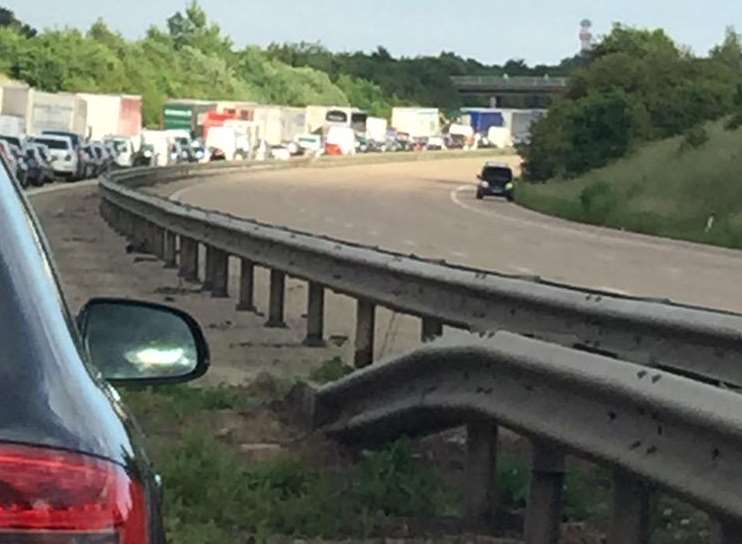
{"x":504,"y":91}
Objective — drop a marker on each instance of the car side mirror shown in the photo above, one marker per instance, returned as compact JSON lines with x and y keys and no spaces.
{"x":133,"y":342}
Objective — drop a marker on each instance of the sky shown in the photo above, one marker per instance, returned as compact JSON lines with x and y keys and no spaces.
{"x":492,"y":31}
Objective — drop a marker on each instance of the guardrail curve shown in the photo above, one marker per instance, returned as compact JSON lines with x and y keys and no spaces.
{"x":632,"y":383}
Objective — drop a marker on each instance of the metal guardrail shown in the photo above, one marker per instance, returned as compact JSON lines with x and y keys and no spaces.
{"x":695,"y":341}
{"x":614,"y":405}
{"x":652,"y":428}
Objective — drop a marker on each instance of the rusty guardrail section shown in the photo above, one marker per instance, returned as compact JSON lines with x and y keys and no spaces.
{"x":654,"y":429}
{"x":695,"y":341}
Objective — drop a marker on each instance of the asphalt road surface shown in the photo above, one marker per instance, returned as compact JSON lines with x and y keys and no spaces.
{"x":429,"y":209}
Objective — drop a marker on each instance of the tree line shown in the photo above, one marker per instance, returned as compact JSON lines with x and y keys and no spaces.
{"x":192,"y":58}
{"x":636,"y":86}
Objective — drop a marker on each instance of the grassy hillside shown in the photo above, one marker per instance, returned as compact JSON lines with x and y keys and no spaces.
{"x":670,"y":188}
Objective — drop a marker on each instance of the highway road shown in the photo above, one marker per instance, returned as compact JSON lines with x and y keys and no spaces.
{"x":429,"y":209}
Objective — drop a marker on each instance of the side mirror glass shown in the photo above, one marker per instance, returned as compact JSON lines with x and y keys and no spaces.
{"x":141,"y":342}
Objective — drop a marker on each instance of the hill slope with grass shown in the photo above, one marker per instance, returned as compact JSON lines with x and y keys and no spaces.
{"x":688,"y":187}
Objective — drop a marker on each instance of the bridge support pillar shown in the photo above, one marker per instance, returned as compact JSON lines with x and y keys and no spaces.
{"x":220,"y":274}
{"x":431,"y":329}
{"x":188,"y":269}
{"x":315,"y":315}
{"x":365,"y":328}
{"x":169,"y":250}
{"x":544,"y":514}
{"x":481,"y":473}
{"x":630,"y":510}
{"x":247,"y":286}
{"x":276,"y":302}
{"x":155,"y":236}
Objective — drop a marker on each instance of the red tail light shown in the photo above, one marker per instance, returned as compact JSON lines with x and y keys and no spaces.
{"x":47,"y":493}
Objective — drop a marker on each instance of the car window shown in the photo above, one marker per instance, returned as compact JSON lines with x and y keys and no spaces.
{"x":54,"y":144}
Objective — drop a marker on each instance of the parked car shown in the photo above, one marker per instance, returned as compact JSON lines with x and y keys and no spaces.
{"x":495,"y":180}
{"x":280,"y":153}
{"x":77,"y":142}
{"x":65,"y":160}
{"x":72,"y":463}
{"x":21,"y":166}
{"x":92,"y":164}
{"x":145,"y":156}
{"x":124,"y":151}
{"x":435,"y":143}
{"x":17,"y":141}
{"x":104,"y":156}
{"x":39,"y":170}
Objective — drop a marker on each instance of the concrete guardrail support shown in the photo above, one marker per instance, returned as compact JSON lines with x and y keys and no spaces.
{"x":481,"y":473}
{"x":365,"y":329}
{"x":188,"y":259}
{"x":544,"y":513}
{"x":220,"y":278}
{"x":431,"y":329}
{"x":208,"y":283}
{"x":156,"y":241}
{"x":630,"y":510}
{"x":315,"y":315}
{"x":247,"y":286}
{"x":727,"y":532}
{"x":277,"y":299}
{"x":138,"y":236}
{"x":170,"y":249}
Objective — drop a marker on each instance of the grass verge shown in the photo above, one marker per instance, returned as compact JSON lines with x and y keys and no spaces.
{"x":685,"y":188}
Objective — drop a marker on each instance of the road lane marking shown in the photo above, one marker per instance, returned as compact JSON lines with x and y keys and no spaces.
{"x":459,"y":254}
{"x":409,"y":243}
{"x":578,"y":230}
{"x":349,"y":225}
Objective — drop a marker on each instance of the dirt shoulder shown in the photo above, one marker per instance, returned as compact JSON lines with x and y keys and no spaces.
{"x":94,"y":261}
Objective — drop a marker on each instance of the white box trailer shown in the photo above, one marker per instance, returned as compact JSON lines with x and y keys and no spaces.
{"x":12,"y":125}
{"x":417,"y":122}
{"x":103,"y":114}
{"x":376,"y":129}
{"x":269,"y":123}
{"x":62,"y":111}
{"x":17,"y":101}
{"x":293,"y":121}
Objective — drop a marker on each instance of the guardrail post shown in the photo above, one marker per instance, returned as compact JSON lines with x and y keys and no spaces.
{"x":481,"y":472}
{"x":544,"y":513}
{"x":156,"y":240}
{"x":276,"y":302}
{"x":726,"y":532}
{"x":208,"y":283}
{"x":431,"y":329}
{"x":169,"y":250}
{"x":365,"y":328}
{"x":220,"y":277}
{"x":315,"y":315}
{"x":188,"y":259}
{"x":247,"y":283}
{"x":630,"y":510}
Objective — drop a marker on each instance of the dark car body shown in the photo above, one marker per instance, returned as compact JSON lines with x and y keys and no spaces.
{"x":495,"y":180}
{"x":52,"y":399}
{"x":39,"y":171}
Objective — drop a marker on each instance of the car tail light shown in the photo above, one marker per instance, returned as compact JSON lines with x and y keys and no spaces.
{"x":60,"y":497}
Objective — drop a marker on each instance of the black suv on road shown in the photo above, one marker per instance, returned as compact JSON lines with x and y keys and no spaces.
{"x":495,"y":180}
{"x":72,"y":468}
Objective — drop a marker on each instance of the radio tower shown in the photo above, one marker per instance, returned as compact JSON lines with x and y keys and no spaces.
{"x":586,"y":35}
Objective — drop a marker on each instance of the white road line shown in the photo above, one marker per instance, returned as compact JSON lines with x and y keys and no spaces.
{"x":409,"y":243}
{"x":373,"y":233}
{"x":178,"y":195}
{"x":349,"y":225}
{"x":523,"y":270}
{"x":612,"y":235}
{"x":459,"y":254}
{"x":613,"y":290}
{"x":61,"y":187}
